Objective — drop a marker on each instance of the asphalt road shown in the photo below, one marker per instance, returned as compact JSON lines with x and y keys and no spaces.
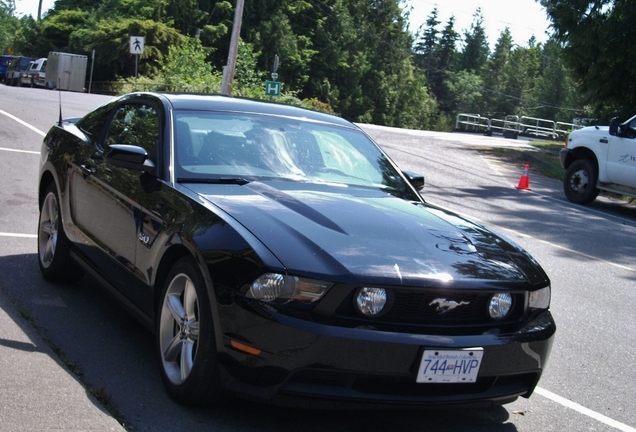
{"x":588,"y":252}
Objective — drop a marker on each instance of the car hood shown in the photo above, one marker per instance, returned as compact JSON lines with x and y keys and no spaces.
{"x":591,"y":130}
{"x":357,"y":234}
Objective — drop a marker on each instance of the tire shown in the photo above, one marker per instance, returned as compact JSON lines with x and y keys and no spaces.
{"x":579,"y":183}
{"x":54,"y":258}
{"x":186,"y":342}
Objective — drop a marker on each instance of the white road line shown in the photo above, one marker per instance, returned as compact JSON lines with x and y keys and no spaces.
{"x":19,"y":151}
{"x":595,"y":258}
{"x":491,"y":165}
{"x":18,"y":235}
{"x":585,"y":411}
{"x":23,"y":123}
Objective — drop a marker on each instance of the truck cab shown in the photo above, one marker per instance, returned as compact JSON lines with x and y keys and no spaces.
{"x":600,"y":158}
{"x":4,"y":63}
{"x":15,"y":68}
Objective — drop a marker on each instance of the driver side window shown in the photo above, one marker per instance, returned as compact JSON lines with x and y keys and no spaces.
{"x":630,"y":131}
{"x":135,"y":124}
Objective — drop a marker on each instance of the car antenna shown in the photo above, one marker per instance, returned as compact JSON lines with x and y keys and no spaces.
{"x":59,"y":92}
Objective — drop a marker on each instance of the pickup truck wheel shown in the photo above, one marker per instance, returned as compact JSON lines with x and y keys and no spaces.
{"x":579,"y":183}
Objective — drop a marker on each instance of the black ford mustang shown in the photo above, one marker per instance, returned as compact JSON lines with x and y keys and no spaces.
{"x":278,"y":254}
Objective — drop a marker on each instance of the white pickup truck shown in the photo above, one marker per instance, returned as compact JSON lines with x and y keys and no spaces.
{"x":600,"y":158}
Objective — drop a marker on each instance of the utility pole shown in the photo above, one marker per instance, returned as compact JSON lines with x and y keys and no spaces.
{"x":228,"y":70}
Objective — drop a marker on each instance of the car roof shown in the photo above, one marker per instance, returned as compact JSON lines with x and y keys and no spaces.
{"x":191,"y":101}
{"x":21,"y":60}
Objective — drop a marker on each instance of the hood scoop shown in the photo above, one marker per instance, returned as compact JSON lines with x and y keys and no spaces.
{"x":294,"y":205}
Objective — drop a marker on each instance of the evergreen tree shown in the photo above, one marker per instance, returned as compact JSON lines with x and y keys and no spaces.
{"x":598,"y":44}
{"x":426,"y":44}
{"x":476,"y":49}
{"x":446,"y":64}
{"x":522,"y":76}
{"x":556,"y":91}
{"x":447,"y":49}
{"x":494,"y":76}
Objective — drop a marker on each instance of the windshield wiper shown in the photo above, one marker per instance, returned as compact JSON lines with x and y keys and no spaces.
{"x":217,"y":180}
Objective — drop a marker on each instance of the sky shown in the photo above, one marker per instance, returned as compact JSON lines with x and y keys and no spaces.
{"x":524,"y":18}
{"x":30,"y":7}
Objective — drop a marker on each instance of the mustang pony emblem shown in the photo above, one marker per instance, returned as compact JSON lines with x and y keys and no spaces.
{"x":444,"y":306}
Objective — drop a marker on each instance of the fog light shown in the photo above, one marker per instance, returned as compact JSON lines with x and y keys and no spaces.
{"x":371,"y":301}
{"x":500,"y":305}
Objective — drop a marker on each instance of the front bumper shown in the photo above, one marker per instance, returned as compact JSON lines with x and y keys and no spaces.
{"x":313,"y":365}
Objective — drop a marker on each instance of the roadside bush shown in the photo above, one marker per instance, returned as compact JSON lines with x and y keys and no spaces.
{"x":187,"y":70}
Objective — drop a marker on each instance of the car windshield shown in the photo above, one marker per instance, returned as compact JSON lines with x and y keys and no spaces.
{"x":227,"y":147}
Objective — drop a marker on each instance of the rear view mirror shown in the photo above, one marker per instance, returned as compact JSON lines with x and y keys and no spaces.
{"x":613,"y":128}
{"x":416,"y":180}
{"x":129,"y":156}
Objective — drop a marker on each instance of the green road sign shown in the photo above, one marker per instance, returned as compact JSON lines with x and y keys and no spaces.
{"x":272,"y":88}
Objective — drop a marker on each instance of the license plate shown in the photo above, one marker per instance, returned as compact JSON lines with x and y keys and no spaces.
{"x":450,"y":366}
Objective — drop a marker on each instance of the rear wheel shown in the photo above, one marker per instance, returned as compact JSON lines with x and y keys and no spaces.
{"x":186,"y":342}
{"x":54,"y":258}
{"x":579,"y":183}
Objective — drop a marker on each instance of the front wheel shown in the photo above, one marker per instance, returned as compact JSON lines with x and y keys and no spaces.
{"x":54,"y":257}
{"x":186,"y":342}
{"x":579,"y":183}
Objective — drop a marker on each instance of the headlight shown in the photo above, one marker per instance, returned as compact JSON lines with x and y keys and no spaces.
{"x":500,"y":305}
{"x":539,"y":299}
{"x":371,"y":301}
{"x":277,"y":287}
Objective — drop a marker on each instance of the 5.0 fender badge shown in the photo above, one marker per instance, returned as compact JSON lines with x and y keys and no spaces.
{"x":444,"y":306}
{"x":144,"y":239}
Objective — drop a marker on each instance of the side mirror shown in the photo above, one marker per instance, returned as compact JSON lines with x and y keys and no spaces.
{"x":129,"y":156}
{"x":613,"y":127}
{"x":416,"y":180}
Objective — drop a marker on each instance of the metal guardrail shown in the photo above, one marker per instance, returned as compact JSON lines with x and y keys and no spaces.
{"x":472,"y":122}
{"x":513,"y":126}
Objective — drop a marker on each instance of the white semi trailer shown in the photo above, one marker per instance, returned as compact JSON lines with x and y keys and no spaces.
{"x":66,"y":71}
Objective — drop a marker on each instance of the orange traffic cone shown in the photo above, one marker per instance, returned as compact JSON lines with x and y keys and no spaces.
{"x":524,"y":181}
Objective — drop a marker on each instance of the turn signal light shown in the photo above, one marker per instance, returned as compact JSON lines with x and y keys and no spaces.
{"x":245,"y":348}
